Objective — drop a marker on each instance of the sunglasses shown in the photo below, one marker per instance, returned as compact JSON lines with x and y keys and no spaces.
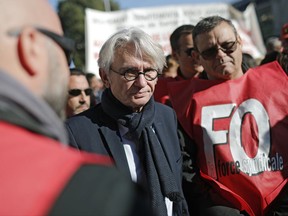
{"x":227,"y":47}
{"x":77,"y":92}
{"x":67,"y":44}
{"x":189,"y":51}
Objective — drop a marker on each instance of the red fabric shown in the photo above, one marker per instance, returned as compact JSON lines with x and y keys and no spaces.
{"x":240,"y":128}
{"x":161,"y":91}
{"x":34,"y":169}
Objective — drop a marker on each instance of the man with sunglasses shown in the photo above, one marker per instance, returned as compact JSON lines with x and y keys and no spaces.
{"x":40,"y":174}
{"x":218,"y":49}
{"x":182,"y":48}
{"x":138,"y":133}
{"x":79,"y":93}
{"x":237,"y":127}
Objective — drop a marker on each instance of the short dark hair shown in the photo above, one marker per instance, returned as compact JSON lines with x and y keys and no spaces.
{"x":89,"y":76}
{"x":208,"y":24}
{"x":176,"y":34}
{"x":77,"y":72}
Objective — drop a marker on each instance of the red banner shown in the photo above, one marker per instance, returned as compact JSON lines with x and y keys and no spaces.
{"x":241,"y":129}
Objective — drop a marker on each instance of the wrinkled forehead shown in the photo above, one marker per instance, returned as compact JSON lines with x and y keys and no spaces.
{"x":29,"y":13}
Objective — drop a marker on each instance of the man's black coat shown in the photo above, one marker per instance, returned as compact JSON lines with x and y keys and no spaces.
{"x":94,"y":131}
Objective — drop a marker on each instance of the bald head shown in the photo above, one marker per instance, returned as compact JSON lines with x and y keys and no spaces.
{"x":30,"y":50}
{"x":21,"y":53}
{"x":21,"y":13}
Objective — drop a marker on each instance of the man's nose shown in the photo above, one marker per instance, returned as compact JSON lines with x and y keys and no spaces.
{"x":141,"y":81}
{"x":220,"y":53}
{"x":83,"y":96}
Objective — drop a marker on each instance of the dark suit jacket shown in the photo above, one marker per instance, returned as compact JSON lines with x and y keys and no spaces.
{"x":94,"y":131}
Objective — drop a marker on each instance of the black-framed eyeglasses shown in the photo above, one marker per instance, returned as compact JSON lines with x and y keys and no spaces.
{"x":67,"y":44}
{"x":189,"y":51}
{"x":131,"y":74}
{"x":77,"y":92}
{"x":227,"y":47}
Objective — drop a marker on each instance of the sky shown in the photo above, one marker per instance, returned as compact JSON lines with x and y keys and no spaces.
{"x":126,"y":4}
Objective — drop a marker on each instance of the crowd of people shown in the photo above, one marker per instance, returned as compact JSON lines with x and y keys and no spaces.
{"x":209,"y":139}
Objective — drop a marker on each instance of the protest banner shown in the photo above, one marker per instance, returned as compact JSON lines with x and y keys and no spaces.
{"x":160,"y":22}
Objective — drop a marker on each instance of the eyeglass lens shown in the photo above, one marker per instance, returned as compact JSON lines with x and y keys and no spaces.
{"x":149,"y":74}
{"x":77,"y":92}
{"x":228,"y":47}
{"x":132,"y":74}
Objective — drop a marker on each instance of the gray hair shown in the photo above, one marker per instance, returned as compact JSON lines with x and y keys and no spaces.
{"x":208,"y":24}
{"x":144,"y":45}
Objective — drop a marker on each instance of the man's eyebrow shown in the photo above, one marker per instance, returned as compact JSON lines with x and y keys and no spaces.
{"x":129,"y":68}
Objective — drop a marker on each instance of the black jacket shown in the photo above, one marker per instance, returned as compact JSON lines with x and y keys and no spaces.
{"x":95,"y":131}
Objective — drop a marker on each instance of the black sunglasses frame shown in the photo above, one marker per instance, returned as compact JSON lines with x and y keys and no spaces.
{"x":67,"y":44}
{"x":211,"y":53}
{"x":189,"y":51}
{"x":77,"y":92}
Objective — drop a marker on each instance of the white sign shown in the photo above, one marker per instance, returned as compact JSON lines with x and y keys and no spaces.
{"x":159,"y":22}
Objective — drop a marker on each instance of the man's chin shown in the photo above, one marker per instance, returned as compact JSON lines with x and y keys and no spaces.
{"x":227,"y":73}
{"x":81,"y":109}
{"x":225,"y":69}
{"x":140,"y":102}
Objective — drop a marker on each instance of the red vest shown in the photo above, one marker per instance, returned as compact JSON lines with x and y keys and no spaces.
{"x":34,"y":170}
{"x":240,"y":128}
{"x":161,"y":91}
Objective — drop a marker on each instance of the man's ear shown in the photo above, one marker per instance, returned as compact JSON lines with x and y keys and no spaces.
{"x":240,"y":40}
{"x":104,"y":77}
{"x":31,"y":50}
{"x":175,"y":54}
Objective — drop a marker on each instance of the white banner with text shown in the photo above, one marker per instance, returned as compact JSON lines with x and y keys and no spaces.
{"x":160,"y":22}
